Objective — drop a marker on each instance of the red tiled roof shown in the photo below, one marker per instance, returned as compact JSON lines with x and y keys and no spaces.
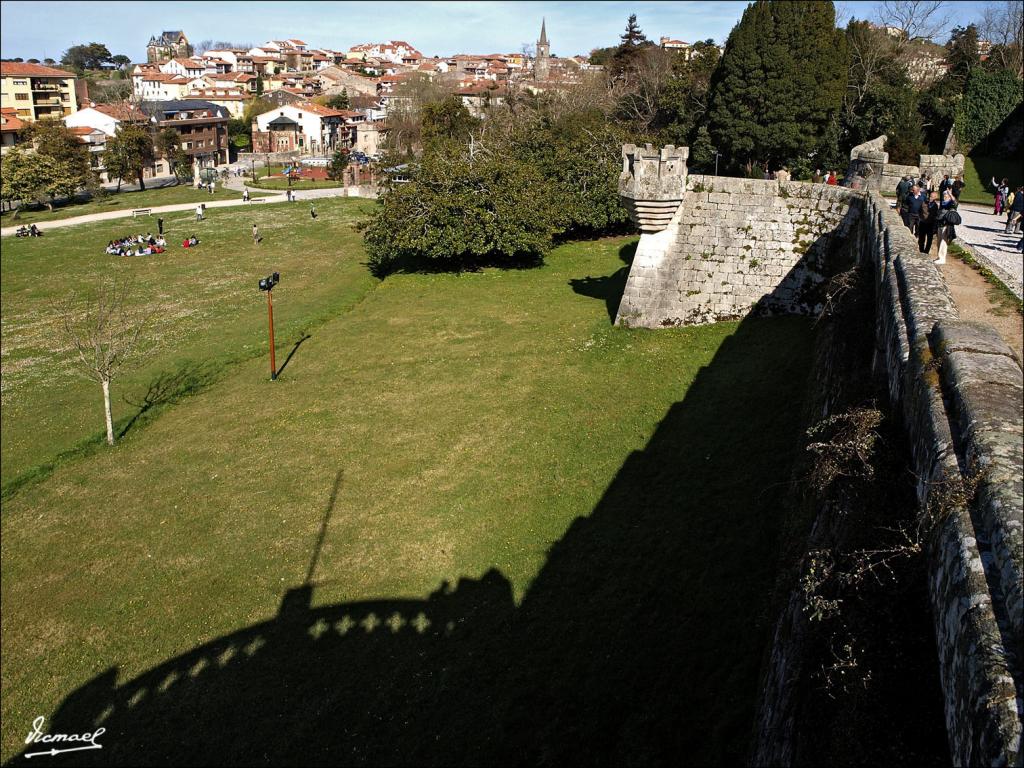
{"x":9,"y":120}
{"x":320,"y":109}
{"x":82,"y":130}
{"x":122,"y":112}
{"x":16,"y":68}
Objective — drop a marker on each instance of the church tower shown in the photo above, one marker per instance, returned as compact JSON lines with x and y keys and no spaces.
{"x":540,"y":65}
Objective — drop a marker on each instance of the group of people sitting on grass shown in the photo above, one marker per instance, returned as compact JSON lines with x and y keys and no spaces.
{"x":137,"y":245}
{"x":32,"y":231}
{"x":190,"y":242}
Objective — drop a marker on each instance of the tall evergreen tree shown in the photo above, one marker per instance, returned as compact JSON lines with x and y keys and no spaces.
{"x":780,"y":84}
{"x":962,"y":54}
{"x":632,"y":42}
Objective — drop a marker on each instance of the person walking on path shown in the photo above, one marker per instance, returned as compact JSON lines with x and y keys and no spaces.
{"x":902,"y":190}
{"x":245,"y":195}
{"x":929,"y":223}
{"x":913,"y":205}
{"x":199,"y":212}
{"x":946,"y":221}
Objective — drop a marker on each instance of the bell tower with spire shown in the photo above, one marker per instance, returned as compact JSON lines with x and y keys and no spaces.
{"x":540,"y":65}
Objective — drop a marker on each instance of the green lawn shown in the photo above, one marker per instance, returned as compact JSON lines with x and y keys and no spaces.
{"x":978,"y":174}
{"x":567,"y":531}
{"x":209,"y":312}
{"x":149,"y":198}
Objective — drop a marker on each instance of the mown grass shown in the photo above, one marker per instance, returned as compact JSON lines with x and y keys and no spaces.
{"x":595,"y":511}
{"x":116,"y":201}
{"x":209,"y":314}
{"x":262,"y":182}
{"x":978,"y":175}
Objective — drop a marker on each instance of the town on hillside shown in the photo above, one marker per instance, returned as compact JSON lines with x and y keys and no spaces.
{"x":309,"y":101}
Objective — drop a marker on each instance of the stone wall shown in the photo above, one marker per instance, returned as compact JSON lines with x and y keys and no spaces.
{"x":870,"y":167}
{"x":737,"y":245}
{"x":959,"y":391}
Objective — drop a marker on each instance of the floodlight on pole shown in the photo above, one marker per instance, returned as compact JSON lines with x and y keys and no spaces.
{"x":267,"y":284}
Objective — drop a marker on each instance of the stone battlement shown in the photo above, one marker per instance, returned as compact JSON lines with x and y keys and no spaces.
{"x":652,"y":184}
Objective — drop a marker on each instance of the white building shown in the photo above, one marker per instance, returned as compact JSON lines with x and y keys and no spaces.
{"x":397,"y":51}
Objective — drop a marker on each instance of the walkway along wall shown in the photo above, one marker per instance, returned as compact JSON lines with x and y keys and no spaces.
{"x":954,"y":385}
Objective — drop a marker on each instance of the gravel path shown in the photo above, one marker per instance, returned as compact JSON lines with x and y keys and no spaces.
{"x":986,"y":236}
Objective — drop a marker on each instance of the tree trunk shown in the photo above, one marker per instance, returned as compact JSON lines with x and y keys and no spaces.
{"x":118,"y":183}
{"x":106,"y":411}
{"x":142,"y":184}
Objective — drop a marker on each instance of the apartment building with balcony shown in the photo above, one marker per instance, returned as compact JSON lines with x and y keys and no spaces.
{"x":201,"y":125}
{"x":35,"y":92}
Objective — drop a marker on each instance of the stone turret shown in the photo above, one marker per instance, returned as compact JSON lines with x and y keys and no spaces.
{"x":652,"y":184}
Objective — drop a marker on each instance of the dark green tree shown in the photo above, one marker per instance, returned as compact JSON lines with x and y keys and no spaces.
{"x":337,"y":166}
{"x":121,"y":61}
{"x":338,"y":100}
{"x":132,"y":150}
{"x":962,"y":54}
{"x":71,"y":165}
{"x":446,"y":121}
{"x":454,"y":214}
{"x":168,"y":144}
{"x":683,"y":102}
{"x":632,"y":41}
{"x":780,"y":83}
{"x":83,"y":57}
{"x":988,"y":100}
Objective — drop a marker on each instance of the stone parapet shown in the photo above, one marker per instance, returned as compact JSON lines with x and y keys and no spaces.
{"x":652,"y":184}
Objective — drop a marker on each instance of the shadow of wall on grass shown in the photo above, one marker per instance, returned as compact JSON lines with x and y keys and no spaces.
{"x":638,"y":642}
{"x":608,"y":288}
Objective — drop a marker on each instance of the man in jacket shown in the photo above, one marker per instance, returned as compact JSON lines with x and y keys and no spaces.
{"x":914,"y":205}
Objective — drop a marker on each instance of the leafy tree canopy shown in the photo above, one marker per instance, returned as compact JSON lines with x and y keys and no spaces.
{"x":88,"y":56}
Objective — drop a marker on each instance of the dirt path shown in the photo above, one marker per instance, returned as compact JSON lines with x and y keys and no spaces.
{"x":978,"y":300}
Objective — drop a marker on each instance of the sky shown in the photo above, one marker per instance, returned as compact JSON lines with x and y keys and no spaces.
{"x":46,"y":29}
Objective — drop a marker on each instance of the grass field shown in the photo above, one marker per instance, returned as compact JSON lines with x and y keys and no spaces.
{"x":978,"y":174}
{"x":118,"y":201}
{"x":210,"y":313}
{"x":568,"y":531}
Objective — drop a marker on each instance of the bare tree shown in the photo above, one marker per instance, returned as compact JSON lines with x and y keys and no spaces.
{"x":106,"y":330}
{"x":1002,"y":24}
{"x":637,"y":91}
{"x":916,"y":19}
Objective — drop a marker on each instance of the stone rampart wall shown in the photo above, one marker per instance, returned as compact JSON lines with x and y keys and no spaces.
{"x":737,"y":245}
{"x":959,"y":391}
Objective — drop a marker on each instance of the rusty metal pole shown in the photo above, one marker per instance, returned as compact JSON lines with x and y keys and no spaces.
{"x":270,"y":316}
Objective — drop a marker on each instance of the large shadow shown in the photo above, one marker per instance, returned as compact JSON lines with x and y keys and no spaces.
{"x":608,"y":288}
{"x":639,"y":641}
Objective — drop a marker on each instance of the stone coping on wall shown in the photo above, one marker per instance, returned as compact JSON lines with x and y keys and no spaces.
{"x":959,"y":391}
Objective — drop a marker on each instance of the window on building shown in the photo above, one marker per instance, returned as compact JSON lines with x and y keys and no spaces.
{"x":21,"y":82}
{"x":21,"y":97}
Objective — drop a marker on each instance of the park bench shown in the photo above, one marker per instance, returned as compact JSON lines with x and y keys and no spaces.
{"x":142,"y":212}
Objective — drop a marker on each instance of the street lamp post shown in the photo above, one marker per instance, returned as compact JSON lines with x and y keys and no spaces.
{"x":717,"y":155}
